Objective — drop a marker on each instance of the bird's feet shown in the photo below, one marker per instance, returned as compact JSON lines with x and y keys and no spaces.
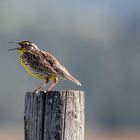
{"x":36,"y":92}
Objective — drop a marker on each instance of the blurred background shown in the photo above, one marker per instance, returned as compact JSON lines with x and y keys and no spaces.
{"x":98,"y":41}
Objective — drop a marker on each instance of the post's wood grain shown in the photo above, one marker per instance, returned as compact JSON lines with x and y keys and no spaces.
{"x":54,"y":115}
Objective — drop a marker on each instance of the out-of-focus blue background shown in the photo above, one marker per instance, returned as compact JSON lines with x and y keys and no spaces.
{"x":98,"y":41}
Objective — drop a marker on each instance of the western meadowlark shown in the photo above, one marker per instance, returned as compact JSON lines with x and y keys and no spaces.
{"x":42,"y":65}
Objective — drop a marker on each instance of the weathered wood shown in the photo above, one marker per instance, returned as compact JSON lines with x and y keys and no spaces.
{"x":54,"y":115}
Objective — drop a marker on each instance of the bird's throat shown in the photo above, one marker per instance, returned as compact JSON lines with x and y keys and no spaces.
{"x":22,"y":50}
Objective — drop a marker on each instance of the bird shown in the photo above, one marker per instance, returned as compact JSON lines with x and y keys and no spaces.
{"x":42,"y":65}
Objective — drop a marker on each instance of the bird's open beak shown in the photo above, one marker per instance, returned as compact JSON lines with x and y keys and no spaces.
{"x":14,"y":48}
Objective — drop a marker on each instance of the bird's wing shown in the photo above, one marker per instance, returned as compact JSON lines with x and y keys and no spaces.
{"x":57,"y":67}
{"x":38,"y":63}
{"x":53,"y":63}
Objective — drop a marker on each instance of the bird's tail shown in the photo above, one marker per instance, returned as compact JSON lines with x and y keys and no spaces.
{"x":71,"y":78}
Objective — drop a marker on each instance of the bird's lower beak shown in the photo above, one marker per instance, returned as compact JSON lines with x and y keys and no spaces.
{"x":14,"y":48}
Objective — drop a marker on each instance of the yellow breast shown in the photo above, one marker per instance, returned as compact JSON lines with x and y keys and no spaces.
{"x":38,"y":76}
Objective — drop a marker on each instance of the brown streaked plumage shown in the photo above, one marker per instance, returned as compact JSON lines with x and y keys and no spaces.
{"x":42,"y":65}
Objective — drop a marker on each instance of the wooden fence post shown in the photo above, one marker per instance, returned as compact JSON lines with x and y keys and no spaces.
{"x":54,"y":115}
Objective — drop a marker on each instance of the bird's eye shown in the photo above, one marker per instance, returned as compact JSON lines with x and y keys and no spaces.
{"x":26,"y":44}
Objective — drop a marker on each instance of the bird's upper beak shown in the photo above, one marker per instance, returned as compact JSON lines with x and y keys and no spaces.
{"x":14,"y":48}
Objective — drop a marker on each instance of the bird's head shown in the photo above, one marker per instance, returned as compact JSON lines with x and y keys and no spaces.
{"x":25,"y":46}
